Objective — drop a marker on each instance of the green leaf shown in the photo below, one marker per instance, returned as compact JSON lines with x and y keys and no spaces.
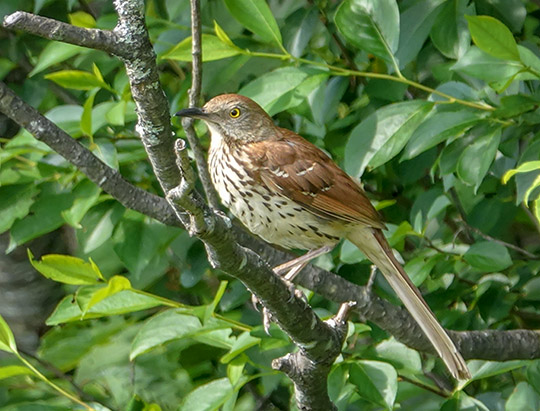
{"x":488,"y":256}
{"x":484,"y":369}
{"x":66,"y":269}
{"x":86,"y":118}
{"x":278,"y":90}
{"x":402,"y":357}
{"x":531,"y":289}
{"x":301,"y":28}
{"x":372,"y":25}
{"x":208,"y":397}
{"x":476,"y":159}
{"x":169,"y":325}
{"x":220,"y":33}
{"x":100,"y":226}
{"x":437,"y":128}
{"x":82,"y":19}
{"x":242,"y":343}
{"x":523,"y":398}
{"x":257,"y":17}
{"x":13,"y":371}
{"x":15,"y":203}
{"x":415,"y":24}
{"x":449,"y":33}
{"x":86,"y":195}
{"x":383,"y":134}
{"x":523,"y":168}
{"x":43,"y":218}
{"x":533,"y":375}
{"x":7,"y":340}
{"x":375,"y":381}
{"x":427,"y":206}
{"x":419,"y":268}
{"x":479,"y":64}
{"x":5,"y":67}
{"x":123,"y":302}
{"x":212,"y":49}
{"x":493,"y":37}
{"x":115,"y":284}
{"x":53,"y":53}
{"x":76,"y":79}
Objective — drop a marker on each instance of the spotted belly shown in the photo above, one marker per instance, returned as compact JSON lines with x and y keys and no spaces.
{"x":274,"y":218}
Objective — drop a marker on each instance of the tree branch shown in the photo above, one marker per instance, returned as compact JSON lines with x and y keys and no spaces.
{"x":97,"y":171}
{"x":194,"y":99}
{"x":489,"y":345}
{"x":56,"y":30}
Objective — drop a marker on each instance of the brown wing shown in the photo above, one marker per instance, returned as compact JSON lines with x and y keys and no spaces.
{"x":297,"y":169}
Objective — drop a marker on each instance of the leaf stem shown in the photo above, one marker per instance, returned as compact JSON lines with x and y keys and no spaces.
{"x":339,"y":71}
{"x":52,"y":384}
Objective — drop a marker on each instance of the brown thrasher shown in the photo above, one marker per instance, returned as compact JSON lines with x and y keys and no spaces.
{"x":290,"y":193}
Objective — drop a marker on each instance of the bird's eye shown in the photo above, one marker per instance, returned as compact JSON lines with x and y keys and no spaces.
{"x":235,"y":112}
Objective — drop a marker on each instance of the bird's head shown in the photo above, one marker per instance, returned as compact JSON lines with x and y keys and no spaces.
{"x":233,"y":118}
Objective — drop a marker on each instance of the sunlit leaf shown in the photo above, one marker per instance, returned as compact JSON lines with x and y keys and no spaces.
{"x":257,"y":17}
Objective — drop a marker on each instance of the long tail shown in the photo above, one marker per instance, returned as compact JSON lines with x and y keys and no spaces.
{"x":372,"y":243}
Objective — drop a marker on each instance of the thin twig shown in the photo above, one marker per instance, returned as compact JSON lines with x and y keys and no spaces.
{"x":61,"y":375}
{"x":194,"y":99}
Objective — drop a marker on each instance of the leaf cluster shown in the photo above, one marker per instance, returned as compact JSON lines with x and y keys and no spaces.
{"x":434,"y":104}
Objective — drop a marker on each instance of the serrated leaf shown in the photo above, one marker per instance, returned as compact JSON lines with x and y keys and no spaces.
{"x":372,"y":25}
{"x":66,"y":269}
{"x":212,"y":49}
{"x":257,"y":17}
{"x":493,"y":37}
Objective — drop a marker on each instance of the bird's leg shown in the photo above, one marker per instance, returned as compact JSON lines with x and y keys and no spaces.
{"x":288,"y":271}
{"x":293,"y":267}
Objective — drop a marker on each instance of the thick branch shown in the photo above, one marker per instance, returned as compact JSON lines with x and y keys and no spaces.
{"x":490,"y":345}
{"x":105,"y":177}
{"x":56,"y":30}
{"x":152,"y":107}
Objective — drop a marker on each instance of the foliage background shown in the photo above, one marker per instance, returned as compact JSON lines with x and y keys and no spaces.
{"x":164,"y":329}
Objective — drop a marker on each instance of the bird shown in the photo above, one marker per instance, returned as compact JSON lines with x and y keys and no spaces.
{"x":290,"y":193}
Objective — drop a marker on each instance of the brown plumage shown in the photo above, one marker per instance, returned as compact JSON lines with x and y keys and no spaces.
{"x":290,"y":193}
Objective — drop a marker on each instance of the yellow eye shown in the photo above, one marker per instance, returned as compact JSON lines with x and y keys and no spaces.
{"x":234,"y":113}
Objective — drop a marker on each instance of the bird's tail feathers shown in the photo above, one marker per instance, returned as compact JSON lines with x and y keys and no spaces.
{"x":374,"y":245}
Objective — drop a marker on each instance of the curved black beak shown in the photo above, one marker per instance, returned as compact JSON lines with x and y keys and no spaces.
{"x":193,"y":112}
